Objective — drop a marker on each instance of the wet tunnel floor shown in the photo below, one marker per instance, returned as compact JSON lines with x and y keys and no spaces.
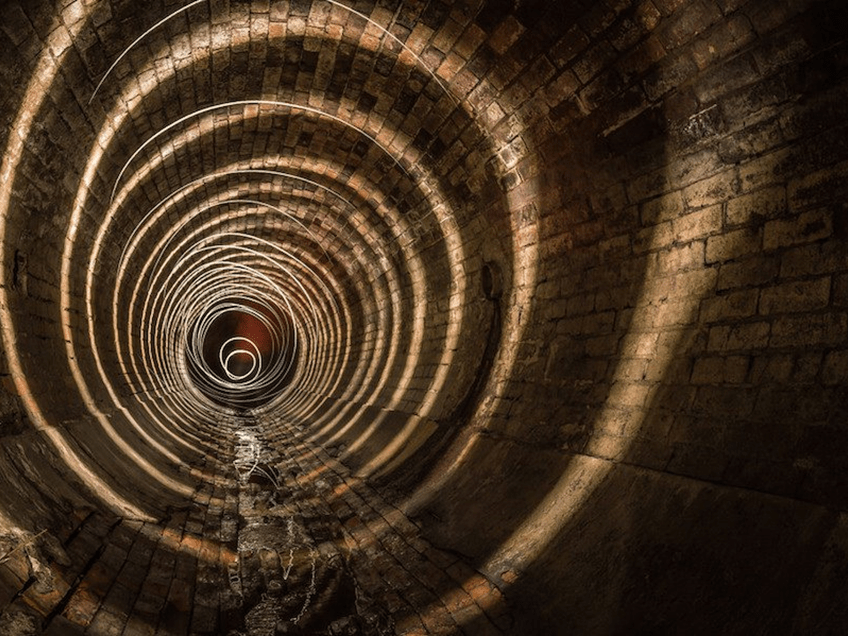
{"x":283,"y":540}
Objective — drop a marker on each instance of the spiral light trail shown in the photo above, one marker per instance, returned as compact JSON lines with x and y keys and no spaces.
{"x":302,"y":278}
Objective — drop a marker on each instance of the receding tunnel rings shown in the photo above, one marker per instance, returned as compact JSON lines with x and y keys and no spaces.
{"x":224,"y":310}
{"x":404,"y":264}
{"x":253,"y":363}
{"x":236,"y":356}
{"x":379,"y":322}
{"x":434,"y":218}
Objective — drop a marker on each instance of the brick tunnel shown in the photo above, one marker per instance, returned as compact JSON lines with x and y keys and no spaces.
{"x":467,"y":317}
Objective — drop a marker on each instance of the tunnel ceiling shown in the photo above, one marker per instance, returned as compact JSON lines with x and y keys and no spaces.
{"x":476,"y":276}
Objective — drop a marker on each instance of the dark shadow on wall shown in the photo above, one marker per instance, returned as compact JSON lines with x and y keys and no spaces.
{"x":654,"y":554}
{"x":726,"y":513}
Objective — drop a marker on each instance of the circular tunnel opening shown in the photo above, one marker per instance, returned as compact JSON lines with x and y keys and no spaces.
{"x":241,"y":353}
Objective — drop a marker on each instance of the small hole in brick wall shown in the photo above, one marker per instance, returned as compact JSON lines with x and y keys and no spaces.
{"x":19,"y":272}
{"x":490,"y":278}
{"x":840,"y":222}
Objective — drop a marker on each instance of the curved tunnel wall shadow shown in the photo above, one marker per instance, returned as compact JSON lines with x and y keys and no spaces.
{"x":689,"y":508}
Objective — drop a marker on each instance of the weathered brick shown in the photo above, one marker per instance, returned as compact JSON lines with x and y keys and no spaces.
{"x":835,"y":369}
{"x":569,"y":46}
{"x":752,"y":271}
{"x":664,"y":208}
{"x":771,"y":369}
{"x":667,"y":7}
{"x":733,"y":245}
{"x":764,"y":171}
{"x":720,"y":80}
{"x":753,"y":335}
{"x":676,"y":259}
{"x":740,"y":304}
{"x":675,"y":70}
{"x":637,"y":168}
{"x":685,"y":25}
{"x":724,"y":400}
{"x":712,"y":370}
{"x":755,"y":140}
{"x":818,"y":188}
{"x":796,"y":296}
{"x":758,"y":206}
{"x":693,"y":283}
{"x":809,"y":329}
{"x":505,"y":35}
{"x":640,"y":58}
{"x":807,"y":367}
{"x":840,"y":290}
{"x":725,"y":38}
{"x":562,"y":88}
{"x":593,"y":60}
{"x":805,"y":228}
{"x":698,"y":224}
{"x":812,"y":260}
{"x":716,"y":189}
{"x":765,"y":18}
{"x":653,"y":238}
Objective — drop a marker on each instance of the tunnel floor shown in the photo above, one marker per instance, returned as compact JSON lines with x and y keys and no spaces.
{"x":280,"y":538}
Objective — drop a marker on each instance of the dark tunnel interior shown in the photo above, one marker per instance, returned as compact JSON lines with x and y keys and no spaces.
{"x":452,"y":317}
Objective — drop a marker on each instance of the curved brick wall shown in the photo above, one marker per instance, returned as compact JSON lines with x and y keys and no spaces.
{"x":550,"y":301}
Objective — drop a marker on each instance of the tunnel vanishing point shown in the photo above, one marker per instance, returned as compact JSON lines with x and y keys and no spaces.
{"x":455,"y":317}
